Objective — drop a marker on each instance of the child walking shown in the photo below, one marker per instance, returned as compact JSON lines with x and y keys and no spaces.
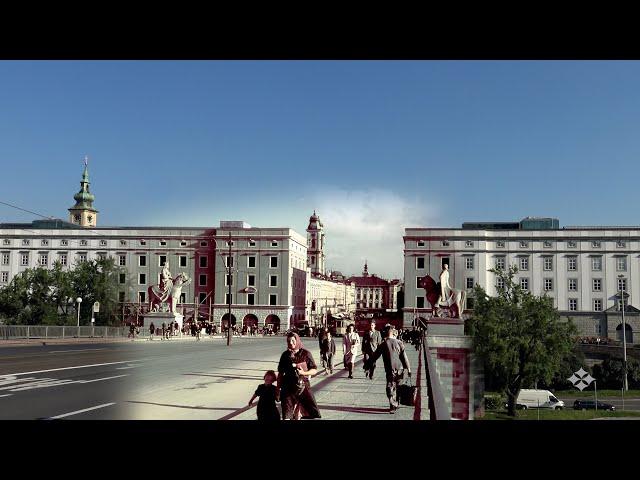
{"x":269,"y":394}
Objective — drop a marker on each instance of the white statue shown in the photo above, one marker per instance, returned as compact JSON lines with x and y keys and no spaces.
{"x":445,"y":288}
{"x":169,"y":291}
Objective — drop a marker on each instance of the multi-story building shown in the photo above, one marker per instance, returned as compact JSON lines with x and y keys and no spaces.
{"x":329,"y":297}
{"x":582,"y":268}
{"x":372,"y":292}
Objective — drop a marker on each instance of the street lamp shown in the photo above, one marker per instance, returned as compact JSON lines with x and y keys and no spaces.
{"x":625,"y":385}
{"x":79,"y":301}
{"x":228,"y":273}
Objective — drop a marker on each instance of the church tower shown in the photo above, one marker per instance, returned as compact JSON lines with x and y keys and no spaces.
{"x":83,"y":213}
{"x":315,"y":245}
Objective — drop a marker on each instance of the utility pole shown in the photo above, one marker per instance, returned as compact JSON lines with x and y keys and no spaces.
{"x":625,"y":385}
{"x":229,"y":282}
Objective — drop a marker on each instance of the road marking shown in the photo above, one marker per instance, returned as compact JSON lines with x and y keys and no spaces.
{"x":80,"y":350}
{"x":128,"y":366}
{"x":67,"y":368}
{"x":100,"y":379}
{"x":7,"y":395}
{"x":82,"y":411}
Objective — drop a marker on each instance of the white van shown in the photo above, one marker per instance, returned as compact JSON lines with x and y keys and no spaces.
{"x":529,"y":398}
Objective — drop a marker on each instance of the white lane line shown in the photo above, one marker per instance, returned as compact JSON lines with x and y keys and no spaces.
{"x":127,"y":367}
{"x":82,"y":411}
{"x":79,"y":350}
{"x":100,"y":379}
{"x":68,"y":368}
{"x":7,"y":395}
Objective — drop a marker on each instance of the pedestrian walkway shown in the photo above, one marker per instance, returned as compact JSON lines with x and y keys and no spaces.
{"x":341,"y":398}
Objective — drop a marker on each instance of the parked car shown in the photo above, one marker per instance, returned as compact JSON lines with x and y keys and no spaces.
{"x":591,"y":405}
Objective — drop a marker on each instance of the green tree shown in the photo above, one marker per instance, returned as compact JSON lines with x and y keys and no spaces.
{"x":519,"y":336}
{"x":96,"y":281}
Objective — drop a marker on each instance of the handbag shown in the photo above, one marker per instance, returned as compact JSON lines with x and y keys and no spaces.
{"x":299,"y":386}
{"x":407,"y":393}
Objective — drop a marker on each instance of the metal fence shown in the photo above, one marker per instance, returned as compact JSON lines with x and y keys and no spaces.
{"x":15,"y":332}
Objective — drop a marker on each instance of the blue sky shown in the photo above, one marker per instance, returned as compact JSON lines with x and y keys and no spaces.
{"x":373,"y":146}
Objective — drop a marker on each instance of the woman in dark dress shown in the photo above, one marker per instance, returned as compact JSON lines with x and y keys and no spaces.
{"x":294,"y":370}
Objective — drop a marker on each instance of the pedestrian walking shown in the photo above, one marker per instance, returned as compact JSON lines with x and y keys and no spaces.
{"x":327,"y":352}
{"x":295,"y":368}
{"x":152,"y":329}
{"x":370,"y":342}
{"x":132,"y":330}
{"x":164,"y":330}
{"x":269,"y":395}
{"x":350,"y":343}
{"x":198,"y":328}
{"x":396,"y":364}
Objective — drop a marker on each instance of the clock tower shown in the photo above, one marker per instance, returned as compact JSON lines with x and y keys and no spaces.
{"x":315,"y":245}
{"x":83,"y":213}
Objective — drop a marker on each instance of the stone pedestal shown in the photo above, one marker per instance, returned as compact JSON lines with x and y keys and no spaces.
{"x":159,"y":317}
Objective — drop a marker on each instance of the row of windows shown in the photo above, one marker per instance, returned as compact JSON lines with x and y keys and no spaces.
{"x":525,"y":243}
{"x":572,"y":284}
{"x":103,"y":243}
{"x":251,"y":298}
{"x":523,"y":263}
{"x":572,"y":304}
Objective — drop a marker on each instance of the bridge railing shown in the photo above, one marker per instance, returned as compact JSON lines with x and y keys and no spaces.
{"x":438,"y":409}
{"x":17,"y":332}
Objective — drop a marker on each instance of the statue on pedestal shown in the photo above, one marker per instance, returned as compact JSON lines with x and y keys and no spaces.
{"x":442,"y":296}
{"x":165,"y":296}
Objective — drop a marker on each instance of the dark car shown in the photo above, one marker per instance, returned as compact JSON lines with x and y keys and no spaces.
{"x":591,"y":405}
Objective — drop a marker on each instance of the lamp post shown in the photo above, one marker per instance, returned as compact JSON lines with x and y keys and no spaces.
{"x":79,"y":301}
{"x":625,"y":385}
{"x":229,"y":282}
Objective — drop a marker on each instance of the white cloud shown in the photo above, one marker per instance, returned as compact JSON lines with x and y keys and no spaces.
{"x":368,"y":225}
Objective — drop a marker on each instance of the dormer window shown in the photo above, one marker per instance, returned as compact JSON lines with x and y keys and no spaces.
{"x":445,"y":243}
{"x":621,"y":244}
{"x":64,"y":243}
{"x":44,"y":242}
{"x":163,"y":243}
{"x":26,"y":242}
{"x":421,"y":243}
{"x":143,"y":242}
{"x":103,"y":243}
{"x":468,"y":243}
{"x":83,"y":243}
{"x":571,"y":244}
{"x":274,"y":243}
{"x":123,"y":243}
{"x":183,"y":243}
{"x":252,"y":243}
{"x":595,"y":244}
{"x":499,"y":243}
{"x":229,"y":243}
{"x":547,"y":244}
{"x":524,"y":244}
{"x":203,"y":244}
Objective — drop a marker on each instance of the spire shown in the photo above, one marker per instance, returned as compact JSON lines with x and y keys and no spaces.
{"x":366,"y":269}
{"x":83,"y":212}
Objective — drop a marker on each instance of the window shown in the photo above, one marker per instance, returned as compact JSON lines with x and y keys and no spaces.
{"x":142,"y":278}
{"x":121,"y":297}
{"x":24,"y":259}
{"x":621,"y":264}
{"x":499,"y":243}
{"x":228,"y":279}
{"x":251,"y":298}
{"x":571,"y":244}
{"x":252,"y":243}
{"x":229,"y":243}
{"x":101,"y":255}
{"x":6,"y":241}
{"x":621,"y":244}
{"x":203,"y":262}
{"x":421,"y":243}
{"x":524,"y":283}
{"x":524,"y":263}
{"x":203,"y":280}
{"x":469,"y":282}
{"x":183,"y":243}
{"x":84,"y":243}
{"x":573,"y":284}
{"x":162,"y":259}
{"x":274,"y":262}
{"x":524,"y":244}
{"x":251,"y":280}
{"x":548,"y":263}
{"x":103,"y":243}
{"x":596,"y":264}
{"x":500,"y":262}
{"x":418,"y":282}
{"x":597,"y":305}
{"x":5,"y":258}
{"x":445,"y":243}
{"x":595,"y":244}
{"x":622,"y":284}
{"x":5,"y":277}
{"x":228,"y":298}
{"x":468,"y":262}
{"x":143,"y":242}
{"x":597,"y":284}
{"x":419,"y":262}
{"x":251,"y":262}
{"x":572,"y":263}
{"x":64,"y":243}
{"x":468,"y":243}
{"x":229,"y":261}
{"x":163,"y":243}
{"x":274,"y":243}
{"x":44,"y":242}
{"x":499,"y":282}
{"x":122,"y":260}
{"x":123,"y":278}
{"x":44,"y":259}
{"x":63,"y":259}
{"x":547,"y":244}
{"x":26,"y":242}
{"x":183,"y":260}
{"x":573,"y":304}
{"x":142,"y":261}
{"x":419,"y":302}
{"x":273,"y":280}
{"x":202,"y":296}
{"x":123,"y":243}
{"x":470,"y":303}
{"x":203,"y":244}
{"x":82,"y":257}
{"x":273,"y":299}
{"x":142,"y":297}
{"x":183,"y":298}
{"x":548,"y":284}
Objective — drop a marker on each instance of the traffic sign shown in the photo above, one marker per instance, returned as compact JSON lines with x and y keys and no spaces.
{"x":96,"y":306}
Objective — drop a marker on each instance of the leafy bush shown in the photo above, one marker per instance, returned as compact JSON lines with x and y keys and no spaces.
{"x":494,"y":402}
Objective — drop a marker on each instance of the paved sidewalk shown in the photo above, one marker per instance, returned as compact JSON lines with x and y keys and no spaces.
{"x":341,"y":398}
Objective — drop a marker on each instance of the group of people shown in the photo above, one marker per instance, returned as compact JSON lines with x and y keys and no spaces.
{"x":167,"y":330}
{"x":296,"y":366}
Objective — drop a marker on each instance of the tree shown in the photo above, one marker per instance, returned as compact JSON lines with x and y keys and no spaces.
{"x":519,"y":336}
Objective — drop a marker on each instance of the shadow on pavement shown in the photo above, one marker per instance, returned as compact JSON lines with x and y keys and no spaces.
{"x":184,"y":406}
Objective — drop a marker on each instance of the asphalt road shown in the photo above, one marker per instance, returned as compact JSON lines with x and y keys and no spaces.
{"x":629,"y":403}
{"x":160,"y":380}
